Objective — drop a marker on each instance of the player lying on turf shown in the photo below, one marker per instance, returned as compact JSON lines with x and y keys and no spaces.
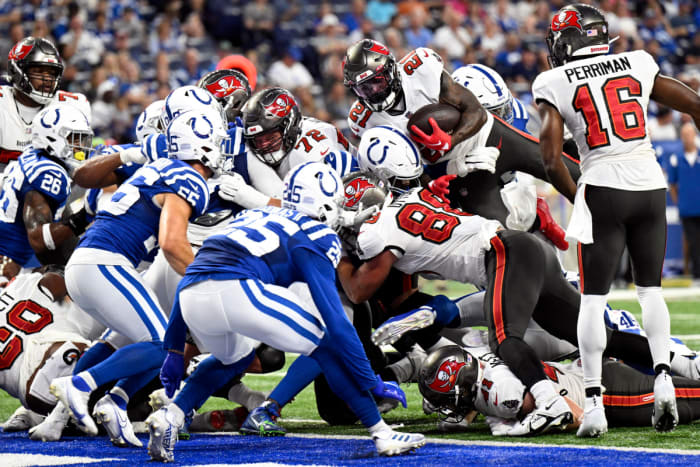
{"x":459,"y":382}
{"x":44,"y":334}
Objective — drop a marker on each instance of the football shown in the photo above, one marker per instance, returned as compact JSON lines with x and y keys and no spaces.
{"x":446,"y":116}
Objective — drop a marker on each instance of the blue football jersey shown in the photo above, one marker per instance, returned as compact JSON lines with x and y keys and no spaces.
{"x":258,"y":244}
{"x":32,"y":171}
{"x":129,"y":223}
{"x":520,"y":116}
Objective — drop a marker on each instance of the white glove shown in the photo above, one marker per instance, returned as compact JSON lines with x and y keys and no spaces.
{"x":521,"y":200}
{"x":355,"y":218}
{"x":483,"y":158}
{"x":233,"y":188}
{"x":500,"y":426}
{"x":133,"y":155}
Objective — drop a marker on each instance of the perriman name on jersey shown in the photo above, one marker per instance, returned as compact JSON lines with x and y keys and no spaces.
{"x":598,"y":69}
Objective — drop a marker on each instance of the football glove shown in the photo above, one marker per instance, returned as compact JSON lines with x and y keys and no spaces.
{"x":171,"y":372}
{"x":438,"y":140}
{"x":483,"y":158}
{"x":441,"y":186}
{"x":134,"y":155}
{"x":389,"y":390}
{"x":233,"y":188}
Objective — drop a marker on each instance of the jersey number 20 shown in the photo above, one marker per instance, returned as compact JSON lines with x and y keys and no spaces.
{"x":626,"y":115}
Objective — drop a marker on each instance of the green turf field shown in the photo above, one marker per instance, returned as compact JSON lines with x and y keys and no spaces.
{"x":301,"y":416}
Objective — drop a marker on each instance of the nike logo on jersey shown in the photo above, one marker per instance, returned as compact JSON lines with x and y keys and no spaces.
{"x":323,"y":153}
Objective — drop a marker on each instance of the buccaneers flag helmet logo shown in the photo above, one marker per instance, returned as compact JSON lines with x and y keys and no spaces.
{"x":281,"y":106}
{"x":446,"y":376}
{"x":567,"y":19}
{"x":354,"y":191}
{"x":20,"y":51}
{"x":225,"y":86}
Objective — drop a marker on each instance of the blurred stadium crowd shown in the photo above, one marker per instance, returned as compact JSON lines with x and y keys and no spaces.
{"x":123,"y":54}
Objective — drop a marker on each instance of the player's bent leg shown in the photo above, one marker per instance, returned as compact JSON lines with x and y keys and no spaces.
{"x":110,"y":411}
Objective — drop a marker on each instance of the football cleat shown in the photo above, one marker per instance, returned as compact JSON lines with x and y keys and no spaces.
{"x":76,"y":401}
{"x":549,"y":227}
{"x":553,"y":415}
{"x":21,"y":420}
{"x":262,"y":421}
{"x":394,"y":443}
{"x":664,"y":415}
{"x":51,"y":429}
{"x":157,"y":399}
{"x":393,"y":328}
{"x":116,"y":422}
{"x":594,"y":422}
{"x":162,"y":436}
{"x":184,"y":433}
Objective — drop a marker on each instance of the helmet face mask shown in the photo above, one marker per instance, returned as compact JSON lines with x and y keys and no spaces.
{"x":577,"y":31}
{"x":371,"y":73}
{"x":271,"y":124}
{"x":63,"y":132}
{"x":35,"y":69}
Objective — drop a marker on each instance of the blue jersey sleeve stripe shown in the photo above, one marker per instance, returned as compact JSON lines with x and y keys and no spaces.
{"x":277,"y":315}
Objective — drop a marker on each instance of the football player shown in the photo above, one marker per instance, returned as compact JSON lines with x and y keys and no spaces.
{"x":35,"y":69}
{"x":151,"y":208}
{"x":620,"y":200}
{"x":36,"y":187}
{"x":276,"y":132}
{"x":459,"y":382}
{"x":418,"y":232}
{"x":237,"y":290}
{"x":45,"y":333}
{"x":480,"y":150}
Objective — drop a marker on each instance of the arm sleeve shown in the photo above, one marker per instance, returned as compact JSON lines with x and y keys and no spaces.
{"x":176,"y":332}
{"x":320,"y":276}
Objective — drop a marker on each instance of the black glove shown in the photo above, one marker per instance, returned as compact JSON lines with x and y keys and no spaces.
{"x":77,"y":222}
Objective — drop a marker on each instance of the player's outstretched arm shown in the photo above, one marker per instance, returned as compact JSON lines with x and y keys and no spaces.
{"x":44,"y":235}
{"x":98,"y":172}
{"x":361,"y":283}
{"x":551,"y":143}
{"x":172,"y":235}
{"x":672,"y":93}
{"x":473,"y":114}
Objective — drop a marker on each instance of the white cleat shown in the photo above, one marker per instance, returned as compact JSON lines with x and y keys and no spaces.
{"x":555,"y":415}
{"x":162,"y":436}
{"x":395,"y":327}
{"x":76,"y":401}
{"x":664,"y":416}
{"x":157,"y":399}
{"x":594,"y":422}
{"x":21,"y":420}
{"x":394,"y":443}
{"x":116,"y":422}
{"x":51,"y":429}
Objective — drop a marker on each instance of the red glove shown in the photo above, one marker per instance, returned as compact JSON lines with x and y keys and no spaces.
{"x":437,"y":141}
{"x":549,"y":227}
{"x":441,"y":186}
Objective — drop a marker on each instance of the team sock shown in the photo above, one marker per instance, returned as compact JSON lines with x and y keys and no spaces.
{"x":299,"y":375}
{"x":592,"y":337}
{"x":656,"y":323}
{"x":92,"y":356}
{"x":133,"y":359}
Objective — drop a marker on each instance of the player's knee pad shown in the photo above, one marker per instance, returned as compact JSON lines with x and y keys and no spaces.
{"x":270,"y":359}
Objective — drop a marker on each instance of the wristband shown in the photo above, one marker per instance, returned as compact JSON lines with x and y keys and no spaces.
{"x":48,"y":239}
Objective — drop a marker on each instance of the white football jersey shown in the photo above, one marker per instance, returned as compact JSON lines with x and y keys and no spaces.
{"x":319,"y":142}
{"x":429,"y":238}
{"x":500,"y":393}
{"x":603,"y":101}
{"x":16,"y":120}
{"x":29,"y":320}
{"x":421,"y":71}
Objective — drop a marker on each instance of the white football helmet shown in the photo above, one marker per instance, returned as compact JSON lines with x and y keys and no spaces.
{"x":149,"y":121}
{"x":488,"y":87}
{"x":314,"y":189}
{"x":186,"y":98}
{"x":196,"y":136}
{"x":63,"y":131}
{"x":392,"y":156}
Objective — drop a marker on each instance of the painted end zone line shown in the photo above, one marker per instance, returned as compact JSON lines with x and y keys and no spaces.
{"x":686,"y":452}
